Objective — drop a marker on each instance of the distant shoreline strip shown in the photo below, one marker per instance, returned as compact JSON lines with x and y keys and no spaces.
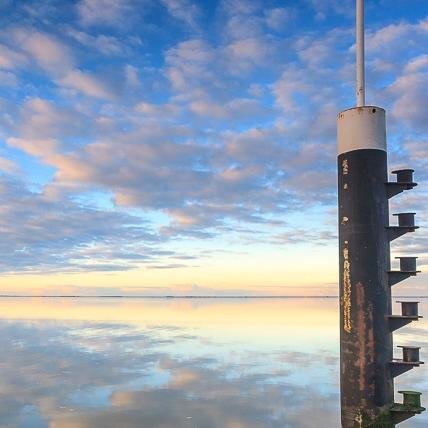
{"x":71,"y":296}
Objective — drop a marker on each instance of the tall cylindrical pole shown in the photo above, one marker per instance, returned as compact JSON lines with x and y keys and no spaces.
{"x":366,"y":349}
{"x":360,"y":78}
{"x":367,"y":366}
{"x":365,"y":295}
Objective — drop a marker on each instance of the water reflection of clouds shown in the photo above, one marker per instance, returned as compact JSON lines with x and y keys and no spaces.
{"x":74,"y":374}
{"x":130,"y":374}
{"x":204,"y":398}
{"x":213,"y":368}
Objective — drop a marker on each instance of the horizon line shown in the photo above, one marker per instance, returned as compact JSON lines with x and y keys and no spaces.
{"x":190,"y":296}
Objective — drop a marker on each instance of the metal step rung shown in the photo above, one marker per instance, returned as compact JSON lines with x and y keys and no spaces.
{"x":396,"y":276}
{"x":394,"y":188}
{"x":399,"y":366}
{"x":398,"y":321}
{"x":395,"y":232}
{"x":411,"y":406}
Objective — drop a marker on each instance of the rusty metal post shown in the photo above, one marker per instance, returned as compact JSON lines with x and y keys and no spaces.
{"x":366,"y":348}
{"x":367,"y":366}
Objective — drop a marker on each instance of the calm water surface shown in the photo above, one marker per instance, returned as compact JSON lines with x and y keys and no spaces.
{"x":128,"y":363}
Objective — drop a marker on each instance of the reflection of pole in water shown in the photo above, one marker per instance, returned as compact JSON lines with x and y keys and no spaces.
{"x":366,"y":343}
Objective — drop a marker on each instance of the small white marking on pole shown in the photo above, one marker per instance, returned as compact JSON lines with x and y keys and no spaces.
{"x":361,"y":90}
{"x":345,"y":167}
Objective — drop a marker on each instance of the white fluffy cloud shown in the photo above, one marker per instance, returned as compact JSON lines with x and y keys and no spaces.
{"x":104,"y":12}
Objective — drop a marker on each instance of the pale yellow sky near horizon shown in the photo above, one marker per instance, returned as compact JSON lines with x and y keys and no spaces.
{"x":307,"y":270}
{"x":300,"y":269}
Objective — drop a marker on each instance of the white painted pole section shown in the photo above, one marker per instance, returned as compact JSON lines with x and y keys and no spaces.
{"x":361,"y":128}
{"x":361,"y":90}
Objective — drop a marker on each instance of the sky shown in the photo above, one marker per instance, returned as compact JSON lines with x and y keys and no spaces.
{"x":189,"y":147}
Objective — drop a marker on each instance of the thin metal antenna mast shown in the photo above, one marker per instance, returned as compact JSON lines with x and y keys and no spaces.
{"x":361,"y":89}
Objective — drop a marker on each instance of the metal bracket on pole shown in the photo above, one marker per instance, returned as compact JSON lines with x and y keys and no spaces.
{"x":398,"y":321}
{"x":410,"y":407}
{"x":396,"y":276}
{"x":406,"y":224}
{"x":404,"y":182}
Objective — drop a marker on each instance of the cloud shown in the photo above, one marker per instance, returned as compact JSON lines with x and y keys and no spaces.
{"x":85,"y":83}
{"x":417,"y":64}
{"x":41,"y":234}
{"x":240,"y":108}
{"x":387,"y":38}
{"x":151,"y":110}
{"x":323,"y":237}
{"x":278,"y":18}
{"x":241,"y":7}
{"x":7,"y":166}
{"x":187,"y":68}
{"x":10,"y":59}
{"x":41,"y":119}
{"x":103,"y":43}
{"x":104,"y":12}
{"x":185,"y":11}
{"x":40,"y":148}
{"x":8,"y":79}
{"x":132,"y":76}
{"x":245,"y":53}
{"x":49,"y":53}
{"x":410,"y":101}
{"x":323,"y":10}
{"x":57,"y":59}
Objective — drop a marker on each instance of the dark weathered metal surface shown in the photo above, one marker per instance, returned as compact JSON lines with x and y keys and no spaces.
{"x":407,"y":264}
{"x":365,"y":293}
{"x":404,"y":175}
{"x":411,"y":398}
{"x":405,"y":219}
{"x":409,"y":308}
{"x":410,"y":353}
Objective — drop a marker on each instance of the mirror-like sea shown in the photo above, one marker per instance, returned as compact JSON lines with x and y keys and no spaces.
{"x":173,"y":363}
